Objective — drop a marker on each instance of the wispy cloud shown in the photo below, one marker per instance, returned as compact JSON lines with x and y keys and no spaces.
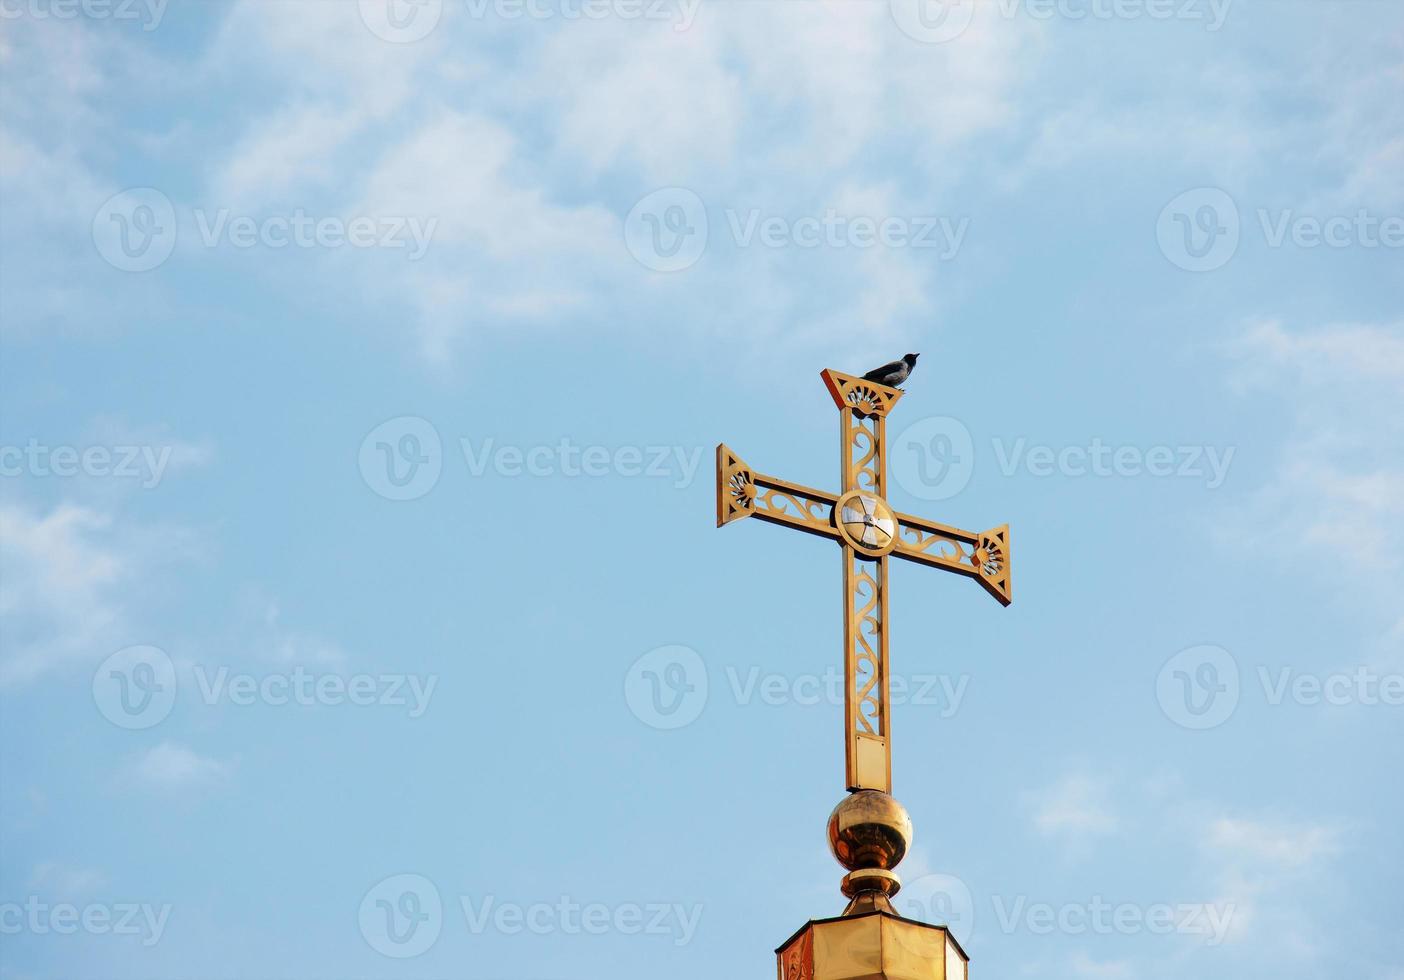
{"x":1077,"y":809}
{"x":1334,"y":490}
{"x":1274,"y":845}
{"x":170,"y":766}
{"x":69,"y":579}
{"x":65,"y":881}
{"x":1083,"y":965}
{"x":1263,"y":867}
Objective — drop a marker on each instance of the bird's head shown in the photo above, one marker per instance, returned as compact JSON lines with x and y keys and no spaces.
{"x":911,"y":359}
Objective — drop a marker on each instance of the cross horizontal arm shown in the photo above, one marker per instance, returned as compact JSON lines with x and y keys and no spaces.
{"x":742,"y":492}
{"x":983,"y":556}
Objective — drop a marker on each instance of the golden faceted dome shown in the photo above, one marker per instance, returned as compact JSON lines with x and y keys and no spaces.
{"x":869,"y":829}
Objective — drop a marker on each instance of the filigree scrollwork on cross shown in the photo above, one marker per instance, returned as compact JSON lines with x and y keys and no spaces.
{"x":863,"y":449}
{"x":796,"y":506}
{"x":742,"y":492}
{"x":736,"y":491}
{"x":871,"y":713}
{"x":861,"y":396}
{"x":916,"y":542}
{"x":991,"y":561}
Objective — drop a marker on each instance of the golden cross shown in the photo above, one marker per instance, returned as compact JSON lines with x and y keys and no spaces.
{"x":868,"y":530}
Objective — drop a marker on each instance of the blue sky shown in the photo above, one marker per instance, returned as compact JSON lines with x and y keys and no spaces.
{"x":363,"y":612}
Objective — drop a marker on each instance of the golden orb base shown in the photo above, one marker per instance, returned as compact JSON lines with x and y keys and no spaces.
{"x":872,"y":946}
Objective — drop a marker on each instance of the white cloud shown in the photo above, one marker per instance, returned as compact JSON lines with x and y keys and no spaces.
{"x":68,"y":580}
{"x":1083,"y":965}
{"x":1337,"y":354}
{"x":1335,"y":490}
{"x":1273,"y":845}
{"x":501,"y":248}
{"x":1261,"y":868}
{"x":57,"y":143}
{"x":59,"y":586}
{"x":1076,"y":808}
{"x":269,"y":639}
{"x":66,"y":882}
{"x":623,"y":105}
{"x":172,"y":766}
{"x":529,"y":181}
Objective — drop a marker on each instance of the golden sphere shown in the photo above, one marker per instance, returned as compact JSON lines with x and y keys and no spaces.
{"x":869,"y":829}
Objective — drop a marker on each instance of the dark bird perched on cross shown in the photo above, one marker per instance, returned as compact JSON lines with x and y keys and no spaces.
{"x":895,"y":373}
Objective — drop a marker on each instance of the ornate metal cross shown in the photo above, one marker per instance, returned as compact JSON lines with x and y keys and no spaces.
{"x":869,"y":530}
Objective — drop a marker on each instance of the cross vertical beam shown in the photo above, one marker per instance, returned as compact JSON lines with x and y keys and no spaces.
{"x":867,"y":695}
